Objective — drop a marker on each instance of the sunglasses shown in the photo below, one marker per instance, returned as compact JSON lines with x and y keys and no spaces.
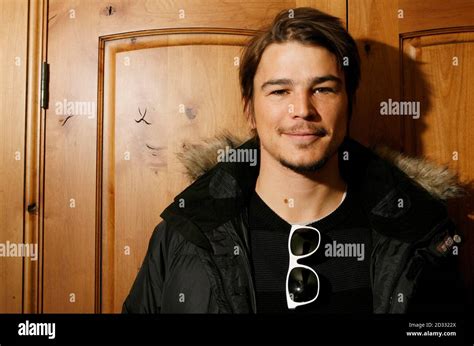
{"x":302,"y":282}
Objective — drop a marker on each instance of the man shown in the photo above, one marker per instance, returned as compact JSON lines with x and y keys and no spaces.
{"x":321,"y":223}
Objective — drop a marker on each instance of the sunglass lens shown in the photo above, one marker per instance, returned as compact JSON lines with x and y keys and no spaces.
{"x":304,"y":241}
{"x":303,"y":285}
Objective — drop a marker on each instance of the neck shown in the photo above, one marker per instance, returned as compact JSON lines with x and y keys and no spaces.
{"x":299,"y":197}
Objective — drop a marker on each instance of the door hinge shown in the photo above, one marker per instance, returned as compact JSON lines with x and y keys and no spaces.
{"x":44,"y":98}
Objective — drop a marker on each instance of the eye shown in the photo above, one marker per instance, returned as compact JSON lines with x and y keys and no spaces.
{"x":323,"y":90}
{"x":278,"y":92}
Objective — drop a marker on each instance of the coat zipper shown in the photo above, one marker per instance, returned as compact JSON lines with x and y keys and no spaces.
{"x":220,"y":286}
{"x":246,"y":264}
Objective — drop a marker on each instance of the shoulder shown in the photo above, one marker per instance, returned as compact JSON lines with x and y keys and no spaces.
{"x":398,"y":193}
{"x":164,"y":242}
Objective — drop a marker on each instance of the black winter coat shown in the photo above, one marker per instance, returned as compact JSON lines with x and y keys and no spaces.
{"x":198,"y":256}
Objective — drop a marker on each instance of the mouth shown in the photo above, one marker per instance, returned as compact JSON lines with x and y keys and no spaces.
{"x":303,"y":137}
{"x":301,"y":134}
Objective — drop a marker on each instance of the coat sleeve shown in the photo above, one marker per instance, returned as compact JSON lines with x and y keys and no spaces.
{"x":440,"y":290}
{"x":145,"y":294}
{"x":440,"y":285}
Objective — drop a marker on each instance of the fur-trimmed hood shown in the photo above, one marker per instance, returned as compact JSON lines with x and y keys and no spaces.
{"x":403,"y":197}
{"x":439,"y":181}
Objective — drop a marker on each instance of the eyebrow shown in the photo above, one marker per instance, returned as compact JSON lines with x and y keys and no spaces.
{"x":315,"y":80}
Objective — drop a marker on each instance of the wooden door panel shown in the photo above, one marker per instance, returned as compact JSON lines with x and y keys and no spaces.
{"x":156,"y":97}
{"x":442,"y":57}
{"x":13,"y":55}
{"x":374,"y":26}
{"x":444,"y":134}
{"x":419,"y":15}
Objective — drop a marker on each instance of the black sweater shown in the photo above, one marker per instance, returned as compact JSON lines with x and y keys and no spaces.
{"x":344,"y":280}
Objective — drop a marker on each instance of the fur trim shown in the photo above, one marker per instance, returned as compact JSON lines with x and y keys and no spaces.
{"x":439,"y":181}
{"x":198,"y":158}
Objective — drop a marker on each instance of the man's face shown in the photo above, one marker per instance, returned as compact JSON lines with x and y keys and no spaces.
{"x":300,"y":105}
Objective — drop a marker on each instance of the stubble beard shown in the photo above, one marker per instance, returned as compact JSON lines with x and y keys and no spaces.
{"x":310,"y":167}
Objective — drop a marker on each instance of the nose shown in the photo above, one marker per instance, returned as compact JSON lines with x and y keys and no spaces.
{"x":302,"y":105}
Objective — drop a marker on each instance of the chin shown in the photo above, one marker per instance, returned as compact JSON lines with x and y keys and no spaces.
{"x":306,"y":166}
{"x":305,"y":157}
{"x":309,"y":159}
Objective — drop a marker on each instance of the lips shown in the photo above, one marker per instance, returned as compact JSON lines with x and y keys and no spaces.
{"x":302,"y":134}
{"x":320,"y":132}
{"x":303,"y":138}
{"x":305,"y":134}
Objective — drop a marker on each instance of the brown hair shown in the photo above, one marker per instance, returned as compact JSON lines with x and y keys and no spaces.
{"x":307,"y":26}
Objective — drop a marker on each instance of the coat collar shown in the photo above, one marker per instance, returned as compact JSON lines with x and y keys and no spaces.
{"x":403,"y":196}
